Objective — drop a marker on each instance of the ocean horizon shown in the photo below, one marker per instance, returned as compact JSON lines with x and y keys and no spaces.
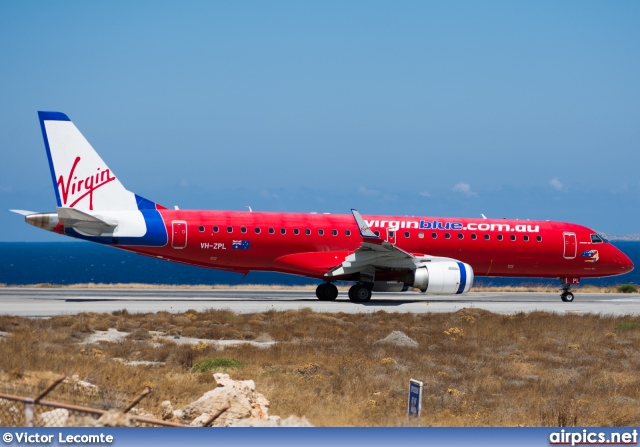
{"x":65,"y":263}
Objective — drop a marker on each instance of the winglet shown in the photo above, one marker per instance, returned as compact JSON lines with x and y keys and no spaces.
{"x":365,"y":231}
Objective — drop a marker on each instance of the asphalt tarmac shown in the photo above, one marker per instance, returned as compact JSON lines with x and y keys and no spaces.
{"x":38,"y":302}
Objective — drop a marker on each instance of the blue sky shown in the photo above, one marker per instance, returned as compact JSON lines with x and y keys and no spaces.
{"x":528,"y":110}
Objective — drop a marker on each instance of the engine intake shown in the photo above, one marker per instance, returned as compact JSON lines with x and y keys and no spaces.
{"x":443,"y":277}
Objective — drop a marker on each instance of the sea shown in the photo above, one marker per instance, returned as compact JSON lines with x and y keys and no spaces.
{"x":63,"y":263}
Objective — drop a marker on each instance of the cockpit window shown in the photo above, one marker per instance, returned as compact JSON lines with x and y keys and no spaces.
{"x":597,"y":239}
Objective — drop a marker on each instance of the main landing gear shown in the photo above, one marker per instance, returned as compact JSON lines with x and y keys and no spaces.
{"x":360,"y":293}
{"x":327,"y":292}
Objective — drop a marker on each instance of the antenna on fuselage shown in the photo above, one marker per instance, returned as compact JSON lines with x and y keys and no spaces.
{"x":483,"y":216}
{"x":250,"y":210}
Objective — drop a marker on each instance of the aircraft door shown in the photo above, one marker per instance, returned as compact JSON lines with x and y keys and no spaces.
{"x":570,"y":246}
{"x":179,"y":233}
{"x":391,"y":236}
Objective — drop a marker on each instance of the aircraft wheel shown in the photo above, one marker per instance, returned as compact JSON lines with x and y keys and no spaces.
{"x":359,"y":293}
{"x":567,"y":297}
{"x":326,"y":292}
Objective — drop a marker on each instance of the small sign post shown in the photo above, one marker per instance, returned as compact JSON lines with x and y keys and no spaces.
{"x":415,"y":398}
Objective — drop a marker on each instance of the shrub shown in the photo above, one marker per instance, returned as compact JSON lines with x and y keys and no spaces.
{"x":219,"y":362}
{"x":624,"y":327}
{"x":627,"y":288}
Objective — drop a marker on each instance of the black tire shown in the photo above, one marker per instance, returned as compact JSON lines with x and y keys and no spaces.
{"x":320,"y":291}
{"x":359,"y":293}
{"x":327,"y":292}
{"x":567,"y":297}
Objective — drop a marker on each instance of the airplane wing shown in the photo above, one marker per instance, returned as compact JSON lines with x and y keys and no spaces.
{"x":374,"y":252}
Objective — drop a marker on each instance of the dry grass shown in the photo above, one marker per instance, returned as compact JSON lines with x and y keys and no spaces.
{"x":478,"y":368}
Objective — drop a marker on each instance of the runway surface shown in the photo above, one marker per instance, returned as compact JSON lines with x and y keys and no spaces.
{"x":47,"y":302}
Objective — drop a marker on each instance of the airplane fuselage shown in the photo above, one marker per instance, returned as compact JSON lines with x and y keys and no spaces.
{"x":244,"y":241}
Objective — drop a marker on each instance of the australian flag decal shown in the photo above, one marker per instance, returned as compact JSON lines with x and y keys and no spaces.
{"x":241,"y":245}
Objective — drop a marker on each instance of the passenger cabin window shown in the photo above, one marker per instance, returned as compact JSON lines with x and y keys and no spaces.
{"x":539,"y":238}
{"x":487,"y":237}
{"x":347,"y":232}
{"x":407,"y":234}
{"x":526,"y":238}
{"x":513,"y":237}
{"x":201,"y":228}
{"x":474,"y":236}
{"x":283,"y":231}
{"x":271,"y":231}
{"x":257,"y":230}
{"x":447,"y":236}
{"x":334,"y":232}
{"x":229,"y":229}
{"x":307,"y":232}
{"x":596,"y":239}
{"x":460,"y":236}
{"x":296,"y":231}
{"x":216,"y":229}
{"x":499,"y":237}
{"x":433,"y":236}
{"x":377,"y":233}
{"x":321,"y":232}
{"x":243,"y":229}
{"x":420,"y":235}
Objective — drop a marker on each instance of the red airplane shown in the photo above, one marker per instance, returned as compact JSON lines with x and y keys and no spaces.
{"x":377,"y":253}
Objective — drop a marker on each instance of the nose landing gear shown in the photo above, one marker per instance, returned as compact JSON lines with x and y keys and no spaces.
{"x":567,"y":295}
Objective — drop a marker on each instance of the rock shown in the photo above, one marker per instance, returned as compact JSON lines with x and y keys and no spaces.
{"x":200,"y":420}
{"x":275,"y":421}
{"x":167,"y":410}
{"x":398,"y":338}
{"x":114,"y":418}
{"x":179,"y":415}
{"x":238,"y":404}
{"x":81,"y":386}
{"x":241,"y":385}
{"x":55,"y":418}
{"x":215,"y":401}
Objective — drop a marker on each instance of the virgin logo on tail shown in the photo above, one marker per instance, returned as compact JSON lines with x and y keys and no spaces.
{"x":74,"y":190}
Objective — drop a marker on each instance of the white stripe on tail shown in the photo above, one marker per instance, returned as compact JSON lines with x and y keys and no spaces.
{"x":81,"y":179}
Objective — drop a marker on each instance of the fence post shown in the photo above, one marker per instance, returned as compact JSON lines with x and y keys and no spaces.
{"x":50,"y":388}
{"x":138,"y":398}
{"x":28,"y":413}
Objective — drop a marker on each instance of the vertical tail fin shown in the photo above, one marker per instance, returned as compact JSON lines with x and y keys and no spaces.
{"x":81,"y":179}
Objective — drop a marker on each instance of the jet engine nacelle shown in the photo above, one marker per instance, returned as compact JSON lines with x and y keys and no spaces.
{"x":443,"y":277}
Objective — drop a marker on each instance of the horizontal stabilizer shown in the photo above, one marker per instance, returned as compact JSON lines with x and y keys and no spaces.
{"x":83,"y":222}
{"x":23,"y":212}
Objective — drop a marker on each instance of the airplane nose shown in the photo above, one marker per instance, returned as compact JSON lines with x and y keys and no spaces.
{"x":625,"y":261}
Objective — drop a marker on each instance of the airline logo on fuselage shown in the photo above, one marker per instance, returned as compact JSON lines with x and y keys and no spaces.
{"x":395,"y":225}
{"x":74,"y":190}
